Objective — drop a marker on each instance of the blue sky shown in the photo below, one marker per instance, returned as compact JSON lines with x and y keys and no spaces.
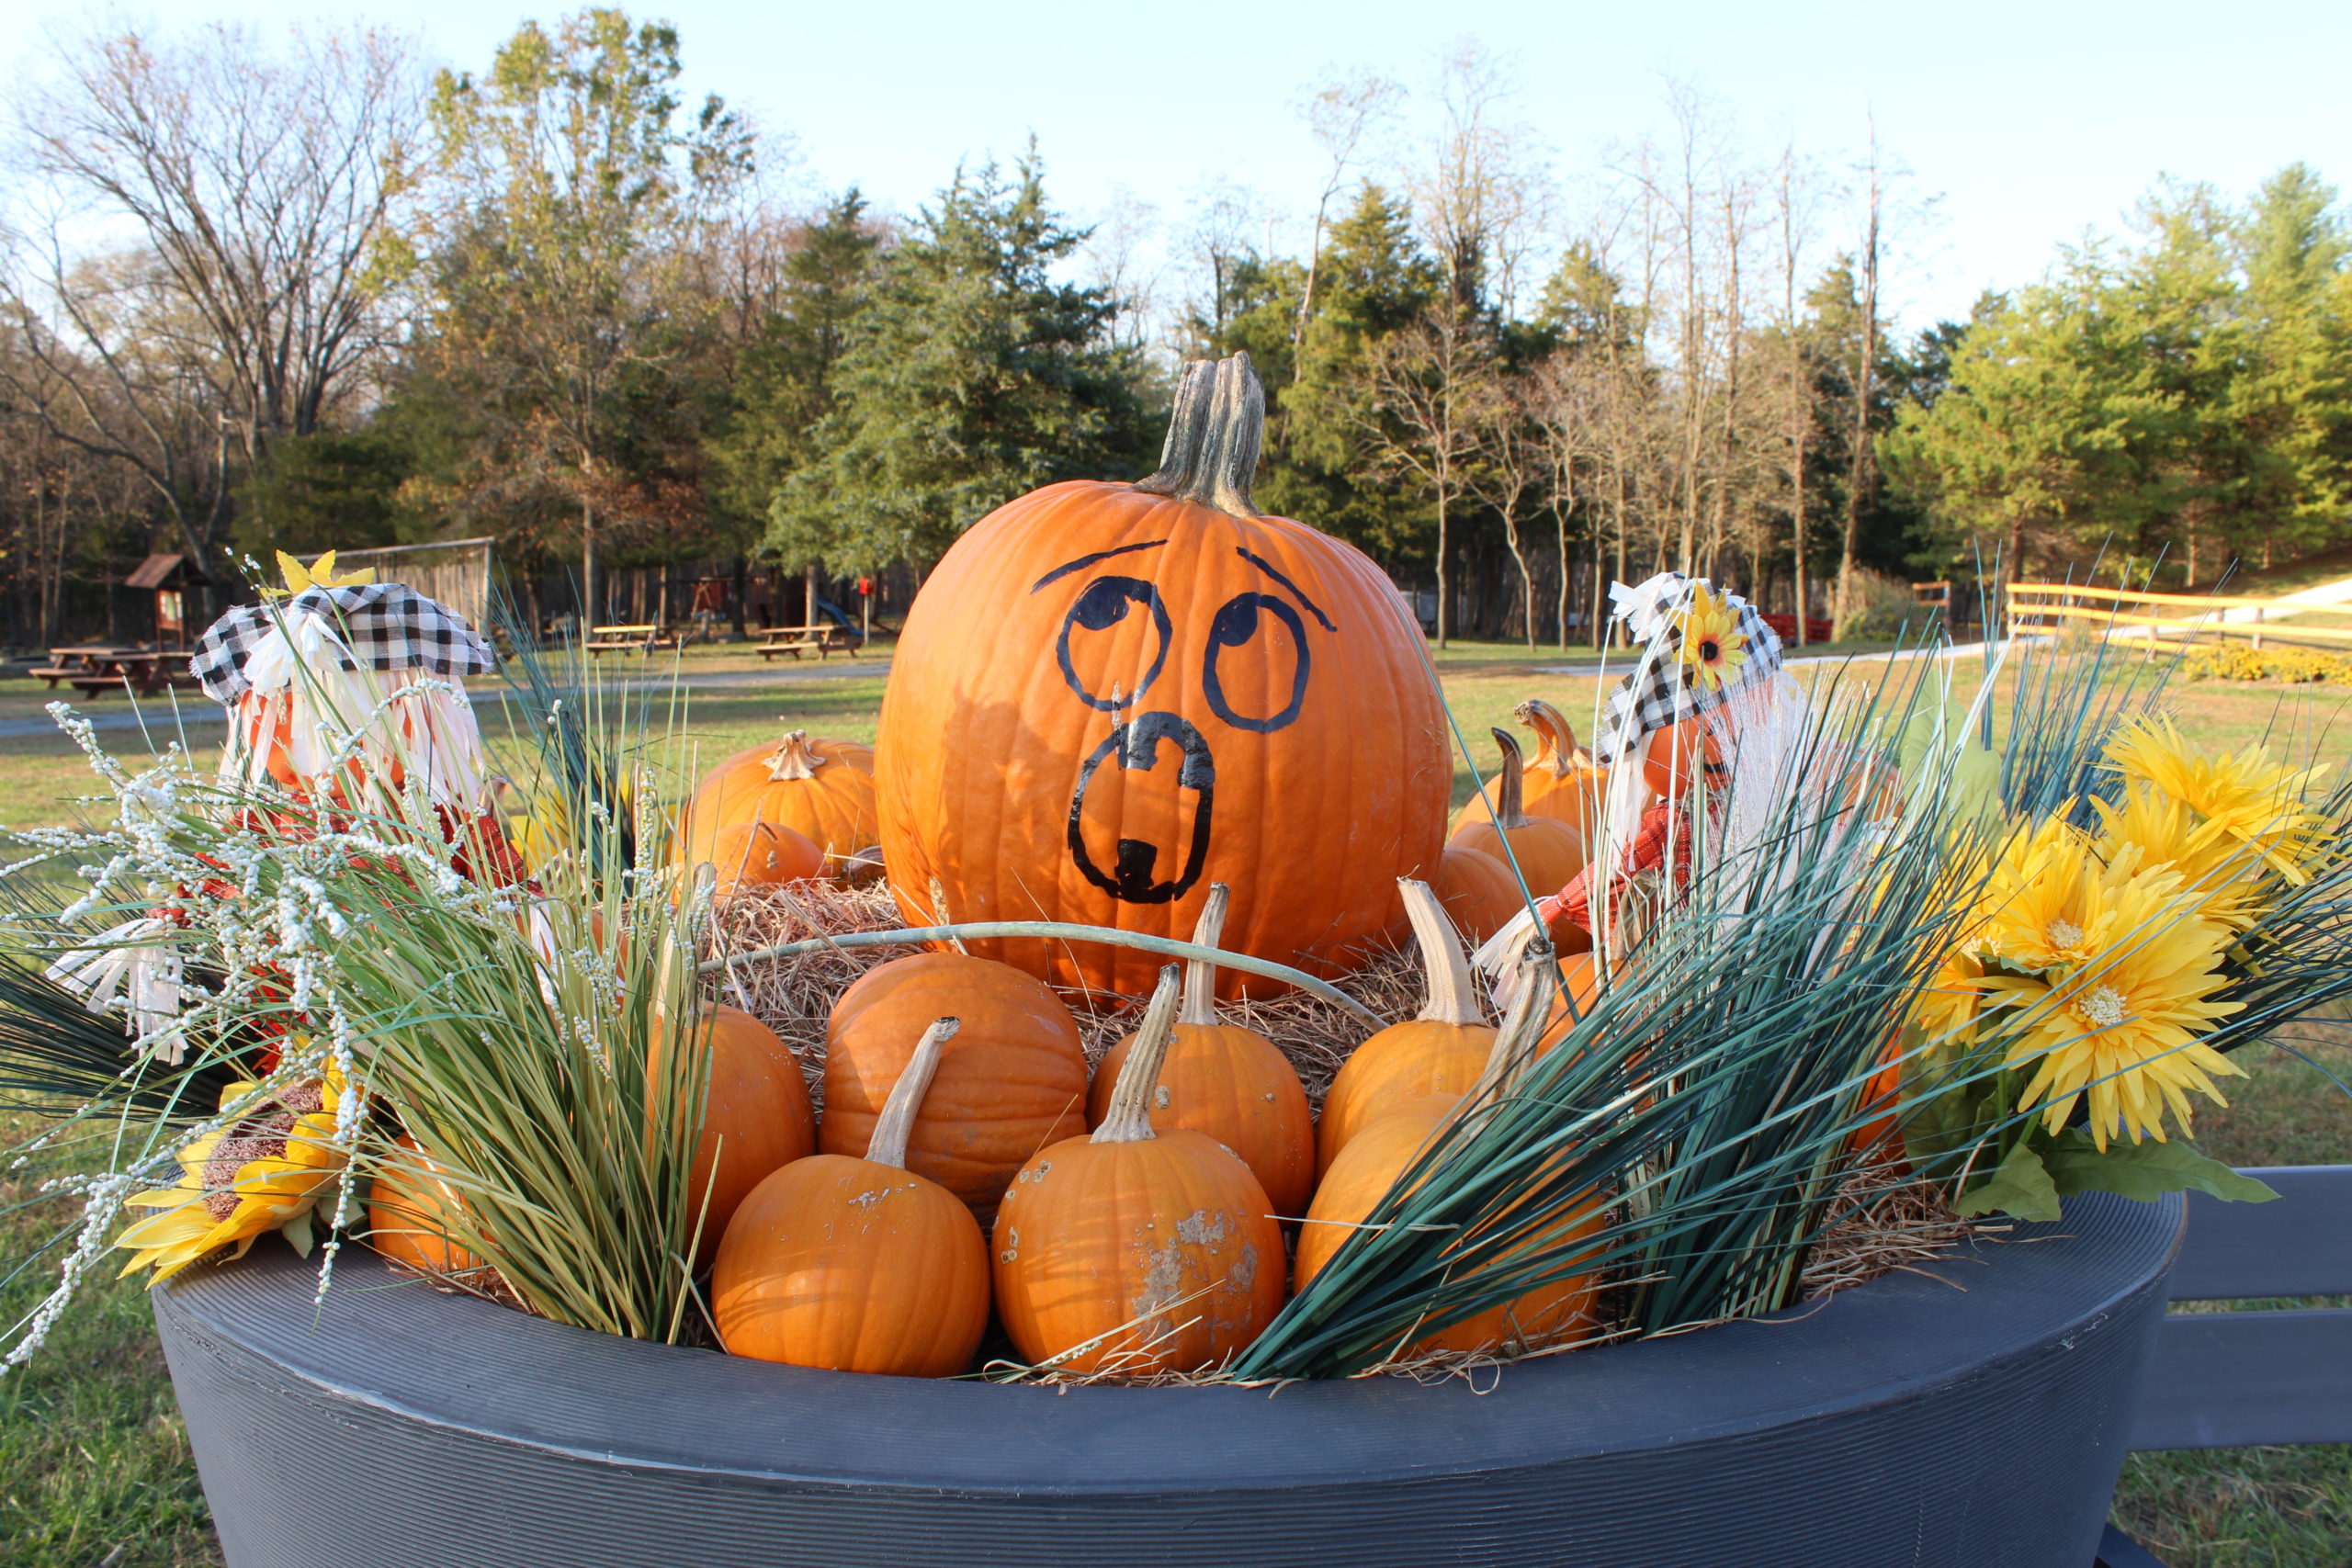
{"x":2019,"y":124}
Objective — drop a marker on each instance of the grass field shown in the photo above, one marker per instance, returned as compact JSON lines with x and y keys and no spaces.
{"x":94,"y":1471}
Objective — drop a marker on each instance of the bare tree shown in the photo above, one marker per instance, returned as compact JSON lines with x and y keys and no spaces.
{"x":1339,"y":116}
{"x":1861,"y":469}
{"x":255,"y":194}
{"x":1428,"y":386}
{"x":1792,"y":207}
{"x":1478,"y":197}
{"x":1513,"y":461}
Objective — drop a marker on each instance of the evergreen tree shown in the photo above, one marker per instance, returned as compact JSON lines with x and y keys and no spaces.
{"x":971,"y":378}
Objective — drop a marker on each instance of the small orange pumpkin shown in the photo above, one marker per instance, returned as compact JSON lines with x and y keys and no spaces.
{"x":1549,"y":852}
{"x":858,"y":1265}
{"x":1441,"y":1051}
{"x":1108,"y":696}
{"x":756,"y":1116}
{"x":1478,"y":891}
{"x":1012,"y":1081}
{"x":1135,"y":1251}
{"x":409,"y":1216}
{"x":1226,"y":1082}
{"x":752,"y":855}
{"x":821,"y":789}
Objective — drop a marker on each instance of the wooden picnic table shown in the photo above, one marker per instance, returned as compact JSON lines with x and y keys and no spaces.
{"x":96,"y":668}
{"x":798,"y":640}
{"x":635,"y":638}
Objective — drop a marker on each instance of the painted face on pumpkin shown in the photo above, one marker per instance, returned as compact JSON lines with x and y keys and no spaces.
{"x":1267,"y":628}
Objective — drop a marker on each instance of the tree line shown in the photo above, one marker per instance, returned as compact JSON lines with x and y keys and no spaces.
{"x":297,"y":297}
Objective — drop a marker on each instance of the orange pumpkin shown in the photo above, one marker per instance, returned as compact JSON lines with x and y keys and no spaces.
{"x":1137,"y":1251}
{"x":1012,"y":1081}
{"x":821,"y":789}
{"x":1560,"y":780}
{"x":1880,"y":1137}
{"x":1441,"y":1051}
{"x":1226,"y":1082}
{"x":1548,"y":852}
{"x":1109,"y":697}
{"x":752,"y":855}
{"x":409,"y":1216}
{"x":756,"y":1116}
{"x":1478,"y":891}
{"x":858,"y":1265}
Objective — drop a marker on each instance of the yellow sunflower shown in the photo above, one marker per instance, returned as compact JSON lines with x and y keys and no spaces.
{"x":2153,"y":832}
{"x":2123,"y":1026}
{"x":265,"y":1171}
{"x":2243,"y":800}
{"x":1713,"y":645}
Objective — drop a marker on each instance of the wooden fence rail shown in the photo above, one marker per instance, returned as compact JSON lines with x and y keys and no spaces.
{"x":2037,"y":603}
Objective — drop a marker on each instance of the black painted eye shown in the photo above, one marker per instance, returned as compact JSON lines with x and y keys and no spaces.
{"x":1103,"y":605}
{"x":1237,"y":625}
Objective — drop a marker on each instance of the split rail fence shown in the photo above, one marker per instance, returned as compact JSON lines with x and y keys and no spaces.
{"x":2043,"y":606}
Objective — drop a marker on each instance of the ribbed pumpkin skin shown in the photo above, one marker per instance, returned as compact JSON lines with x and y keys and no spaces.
{"x":1549,"y":852}
{"x":1011,"y":1082}
{"x":853,"y":1266}
{"x":1577,"y":973}
{"x":1404,"y":1061}
{"x":1478,"y":892}
{"x":761,"y":854}
{"x":757,"y":1118}
{"x":1363,"y":1175}
{"x":1233,"y":1085}
{"x":834,"y":807}
{"x":1171,"y":1228}
{"x":1556,"y":785}
{"x":408,"y":1219}
{"x":1325,"y":776}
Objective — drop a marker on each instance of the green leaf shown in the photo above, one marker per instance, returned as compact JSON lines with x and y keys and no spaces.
{"x":2146,"y":1170}
{"x":2020,"y":1186}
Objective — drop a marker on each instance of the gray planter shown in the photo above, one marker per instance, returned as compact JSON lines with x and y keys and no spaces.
{"x":1906,"y":1422}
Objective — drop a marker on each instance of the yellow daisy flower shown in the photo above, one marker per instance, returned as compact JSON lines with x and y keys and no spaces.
{"x":2153,"y":832}
{"x":2123,"y":1026}
{"x":2041,"y":904}
{"x":265,"y":1171}
{"x":1713,"y":645}
{"x":2241,"y":799}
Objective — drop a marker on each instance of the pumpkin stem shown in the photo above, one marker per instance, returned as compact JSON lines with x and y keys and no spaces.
{"x":1450,"y":997}
{"x":897,"y":1122}
{"x":1556,"y":738}
{"x":1511,"y":810}
{"x":1213,"y":435}
{"x":1514,"y":1049}
{"x":1200,"y":974}
{"x":794,"y":759}
{"x":1128,"y":1118}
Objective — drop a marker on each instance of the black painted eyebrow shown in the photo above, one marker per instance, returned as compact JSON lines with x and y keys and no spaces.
{"x":1275,"y":572}
{"x":1082,"y":562}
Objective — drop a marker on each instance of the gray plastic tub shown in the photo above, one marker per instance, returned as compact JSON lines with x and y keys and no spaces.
{"x":1968,"y":1414}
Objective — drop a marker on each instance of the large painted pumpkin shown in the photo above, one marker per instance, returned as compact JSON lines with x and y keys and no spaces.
{"x":1109,"y":697}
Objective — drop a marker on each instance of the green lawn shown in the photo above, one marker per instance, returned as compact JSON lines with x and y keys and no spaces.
{"x":94,"y":1466}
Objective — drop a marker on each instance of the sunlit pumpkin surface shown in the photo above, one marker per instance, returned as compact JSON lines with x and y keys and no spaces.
{"x":1105,"y":700}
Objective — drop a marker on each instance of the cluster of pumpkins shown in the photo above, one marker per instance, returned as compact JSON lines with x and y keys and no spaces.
{"x":1130,"y":1221}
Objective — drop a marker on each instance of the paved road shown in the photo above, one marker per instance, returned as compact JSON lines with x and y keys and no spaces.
{"x":162,"y":718}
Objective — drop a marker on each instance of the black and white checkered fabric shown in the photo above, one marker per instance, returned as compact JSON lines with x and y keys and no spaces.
{"x":1660,"y":692}
{"x":388,"y":625}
